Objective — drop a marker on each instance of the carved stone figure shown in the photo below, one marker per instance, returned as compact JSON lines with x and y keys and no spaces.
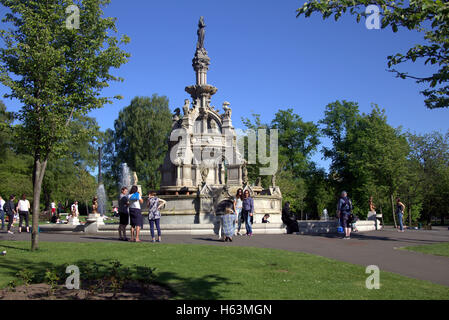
{"x":204,"y":171}
{"x":186,"y":107}
{"x":273,"y":180}
{"x":135,"y":180}
{"x":201,"y":32}
{"x":244,"y":174}
{"x":227,"y":110}
{"x":95,"y":205}
{"x":176,"y":115}
{"x":259,"y":182}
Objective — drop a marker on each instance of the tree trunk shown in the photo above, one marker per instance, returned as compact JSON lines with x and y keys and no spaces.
{"x":392,"y":207}
{"x":38,"y":176}
{"x":409,"y":215}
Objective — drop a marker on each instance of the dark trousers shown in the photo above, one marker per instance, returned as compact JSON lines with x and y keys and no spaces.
{"x":10,"y":221}
{"x":2,"y":217}
{"x":158,"y":227}
{"x":23,"y":215}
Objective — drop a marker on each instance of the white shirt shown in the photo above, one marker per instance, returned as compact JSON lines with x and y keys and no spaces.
{"x":2,"y":203}
{"x":53,"y":205}
{"x":24,"y":205}
{"x":134,"y":204}
{"x":74,"y":209}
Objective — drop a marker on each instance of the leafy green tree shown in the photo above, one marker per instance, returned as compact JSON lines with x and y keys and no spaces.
{"x":297,"y":140}
{"x":56,"y":73}
{"x":431,"y":17}
{"x":377,"y":157}
{"x":140,"y":139}
{"x":340,"y":117}
{"x":430,"y":153}
{"x":368,"y":155}
{"x":321,"y":193}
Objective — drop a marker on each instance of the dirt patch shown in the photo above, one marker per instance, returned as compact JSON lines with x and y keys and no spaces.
{"x":131,"y":291}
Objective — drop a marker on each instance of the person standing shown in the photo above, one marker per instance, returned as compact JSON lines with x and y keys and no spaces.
{"x":2,"y":212}
{"x":74,"y":210}
{"x":154,"y":214}
{"x":248,"y":212}
{"x":53,"y":207}
{"x":344,"y":211}
{"x":400,"y":208}
{"x":10,"y":211}
{"x":289,"y":219}
{"x":123,"y":214}
{"x":23,"y":207}
{"x":238,"y":201}
{"x":228,"y":225}
{"x":135,"y":213}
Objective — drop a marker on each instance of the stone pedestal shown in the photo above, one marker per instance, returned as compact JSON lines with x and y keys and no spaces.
{"x":371,"y":215}
{"x":95,"y":218}
{"x":73,"y":221}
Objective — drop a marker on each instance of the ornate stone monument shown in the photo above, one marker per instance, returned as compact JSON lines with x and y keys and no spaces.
{"x":94,"y":216}
{"x":203,"y":167}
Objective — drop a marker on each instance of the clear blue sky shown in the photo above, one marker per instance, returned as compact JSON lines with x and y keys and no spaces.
{"x":263,"y":59}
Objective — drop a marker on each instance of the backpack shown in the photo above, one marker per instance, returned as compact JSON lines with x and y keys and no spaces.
{"x":347,"y":206}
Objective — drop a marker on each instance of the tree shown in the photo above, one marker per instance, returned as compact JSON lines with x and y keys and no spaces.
{"x":430,"y":153}
{"x":297,"y":140}
{"x":377,"y":158}
{"x":140,"y":139}
{"x":430,"y":17}
{"x":56,"y":73}
{"x":368,"y":155}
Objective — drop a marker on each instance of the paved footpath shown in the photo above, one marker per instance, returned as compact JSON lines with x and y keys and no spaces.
{"x":370,"y":248}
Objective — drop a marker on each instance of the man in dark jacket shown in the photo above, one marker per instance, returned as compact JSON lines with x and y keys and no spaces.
{"x":9,"y":209}
{"x":344,"y":213}
{"x":288,"y":219}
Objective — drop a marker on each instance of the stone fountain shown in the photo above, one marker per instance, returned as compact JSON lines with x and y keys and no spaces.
{"x":203,"y":168}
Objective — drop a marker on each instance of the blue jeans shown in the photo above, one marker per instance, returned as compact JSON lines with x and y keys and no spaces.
{"x":239,"y":215}
{"x":158,"y":227}
{"x":401,"y":225}
{"x":2,"y":217}
{"x":249,"y":229}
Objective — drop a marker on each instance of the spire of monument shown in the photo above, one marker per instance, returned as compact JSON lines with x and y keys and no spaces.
{"x":201,"y":60}
{"x":200,"y":63}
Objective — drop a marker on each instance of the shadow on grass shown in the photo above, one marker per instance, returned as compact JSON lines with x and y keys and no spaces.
{"x":202,"y":287}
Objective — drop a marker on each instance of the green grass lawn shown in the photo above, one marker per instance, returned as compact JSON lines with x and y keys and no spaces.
{"x":438,"y":249}
{"x":223,"y":272}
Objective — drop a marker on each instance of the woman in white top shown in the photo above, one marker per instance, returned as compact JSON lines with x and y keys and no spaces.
{"x":23,"y":207}
{"x":135,"y":213}
{"x":238,"y":208}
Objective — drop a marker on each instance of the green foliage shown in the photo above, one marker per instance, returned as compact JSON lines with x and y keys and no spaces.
{"x":426,"y":16}
{"x":428,"y":182}
{"x":26,"y":276}
{"x":297,"y":140}
{"x":56,"y":73}
{"x":369,"y":157}
{"x":140,"y":140}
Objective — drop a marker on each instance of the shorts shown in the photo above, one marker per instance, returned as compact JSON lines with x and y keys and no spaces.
{"x":124,"y":218}
{"x":344,"y":220}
